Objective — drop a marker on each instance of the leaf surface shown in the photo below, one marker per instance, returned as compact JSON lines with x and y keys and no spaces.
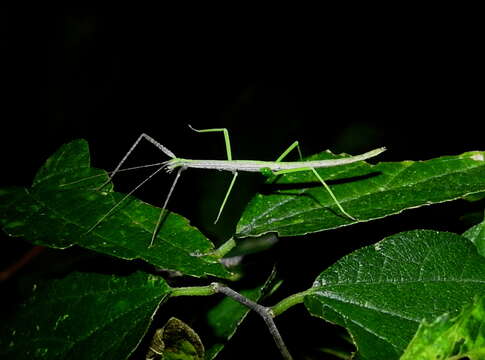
{"x":365,"y":191}
{"x":451,"y":338}
{"x":84,"y":316}
{"x":381,"y":293}
{"x":64,"y":203}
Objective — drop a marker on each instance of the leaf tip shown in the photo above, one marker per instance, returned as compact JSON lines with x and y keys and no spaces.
{"x":477,"y":157}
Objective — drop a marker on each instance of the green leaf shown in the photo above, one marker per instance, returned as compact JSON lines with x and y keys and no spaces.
{"x":365,"y":191}
{"x":84,"y":316}
{"x":381,"y":293}
{"x":451,"y":338}
{"x":476,"y":234}
{"x":176,"y":341}
{"x":65,"y":202}
{"x":225,"y":317}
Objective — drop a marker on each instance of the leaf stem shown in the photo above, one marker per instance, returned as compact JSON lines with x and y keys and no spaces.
{"x":290,"y":301}
{"x":222,"y":250}
{"x":193,"y":291}
{"x":267,"y":313}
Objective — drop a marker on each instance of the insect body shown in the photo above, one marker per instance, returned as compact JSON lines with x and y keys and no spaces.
{"x":274,"y":167}
{"x":277,"y":167}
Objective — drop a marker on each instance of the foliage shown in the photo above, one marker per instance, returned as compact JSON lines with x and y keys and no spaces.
{"x":451,"y":337}
{"x":394,"y":297}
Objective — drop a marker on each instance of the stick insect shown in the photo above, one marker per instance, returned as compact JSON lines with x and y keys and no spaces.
{"x":277,"y":167}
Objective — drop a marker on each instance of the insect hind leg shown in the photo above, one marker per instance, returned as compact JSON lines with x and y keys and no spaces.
{"x":330,"y":192}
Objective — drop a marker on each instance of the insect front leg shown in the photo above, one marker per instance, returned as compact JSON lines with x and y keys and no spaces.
{"x":229,"y":157}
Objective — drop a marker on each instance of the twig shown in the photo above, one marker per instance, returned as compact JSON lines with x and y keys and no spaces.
{"x":265,"y":312}
{"x":24,"y":260}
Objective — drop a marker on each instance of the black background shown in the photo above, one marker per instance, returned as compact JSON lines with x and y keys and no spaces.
{"x":407,"y":79}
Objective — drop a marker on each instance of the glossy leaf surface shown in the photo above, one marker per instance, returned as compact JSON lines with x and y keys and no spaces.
{"x":84,"y":316}
{"x":65,"y":201}
{"x":450,"y":337}
{"x":381,"y":293}
{"x":367,"y":192}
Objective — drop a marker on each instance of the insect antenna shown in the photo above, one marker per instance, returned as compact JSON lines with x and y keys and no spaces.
{"x":112,"y":172}
{"x":164,"y":165}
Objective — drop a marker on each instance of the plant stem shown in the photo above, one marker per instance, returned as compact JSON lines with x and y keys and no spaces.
{"x":193,"y":291}
{"x":290,"y":301}
{"x":24,"y":260}
{"x":222,"y":250}
{"x":265,"y":312}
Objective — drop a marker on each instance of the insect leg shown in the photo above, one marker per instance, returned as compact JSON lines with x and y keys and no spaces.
{"x":287,"y":151}
{"x":149,"y":139}
{"x":229,"y":157}
{"x":334,"y":198}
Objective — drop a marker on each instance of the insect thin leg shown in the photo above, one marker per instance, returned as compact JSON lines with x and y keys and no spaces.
{"x":159,"y":221}
{"x":332,"y":195}
{"x":296,"y":145}
{"x":334,"y":198}
{"x":135,"y":144}
{"x":226,"y":138}
{"x":226,"y":197}
{"x":124,"y":198}
{"x":229,"y":158}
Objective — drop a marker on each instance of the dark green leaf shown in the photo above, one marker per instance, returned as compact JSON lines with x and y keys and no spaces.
{"x":451,"y":338}
{"x":381,"y":293}
{"x":365,"y":191}
{"x":84,"y":316}
{"x":65,"y":202}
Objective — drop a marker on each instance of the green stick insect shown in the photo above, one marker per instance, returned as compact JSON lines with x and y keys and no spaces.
{"x":277,"y":167}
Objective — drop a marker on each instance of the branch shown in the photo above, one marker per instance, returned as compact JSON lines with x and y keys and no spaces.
{"x":23,"y":261}
{"x":265,"y":312}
